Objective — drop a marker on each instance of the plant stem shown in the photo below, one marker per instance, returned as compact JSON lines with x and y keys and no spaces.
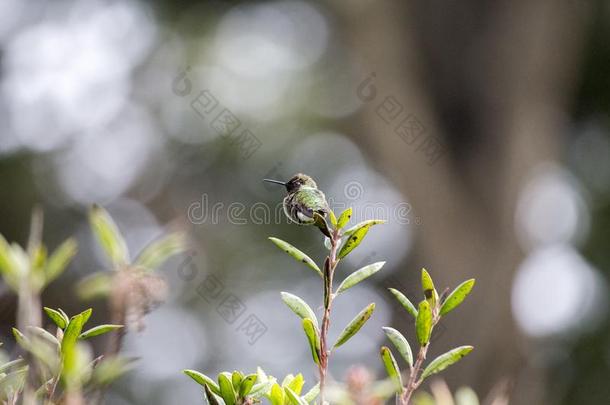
{"x":414,"y":380}
{"x":413,"y":383}
{"x":329,"y":268}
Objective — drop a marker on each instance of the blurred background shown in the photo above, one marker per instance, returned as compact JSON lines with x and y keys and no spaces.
{"x":479,"y":129}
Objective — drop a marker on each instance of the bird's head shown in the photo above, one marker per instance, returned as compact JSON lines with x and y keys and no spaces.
{"x":296,"y":182}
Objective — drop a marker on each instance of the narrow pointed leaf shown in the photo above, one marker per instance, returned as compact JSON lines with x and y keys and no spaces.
{"x":276,"y":395}
{"x":9,"y":268}
{"x":312,"y":393}
{"x":96,"y":285}
{"x":160,"y":250}
{"x":313,"y":339}
{"x":297,"y":384}
{"x":72,"y":332}
{"x":355,"y":325}
{"x":226,"y":388}
{"x":56,"y":317}
{"x":428,"y":288}
{"x":59,"y":260}
{"x":99,"y":330}
{"x":293,"y":397}
{"x":401,"y":344}
{"x":15,"y":363}
{"x":210,"y":396}
{"x":262,"y":376}
{"x":405,"y":302}
{"x":36,"y":331}
{"x":296,"y":254}
{"x":299,"y":307}
{"x":246,"y":384}
{"x":109,"y":236}
{"x":287,"y":380}
{"x":262,"y":387}
{"x":353,"y":241}
{"x":66,"y":317}
{"x":344,"y":218}
{"x":457,"y":296}
{"x":423,"y":323}
{"x":333,"y":218}
{"x":321,"y":223}
{"x":359,"y":275}
{"x":20,"y":338}
{"x":369,"y":223}
{"x":236,"y":378}
{"x":86,"y":314}
{"x":391,"y":367}
{"x":445,"y":360}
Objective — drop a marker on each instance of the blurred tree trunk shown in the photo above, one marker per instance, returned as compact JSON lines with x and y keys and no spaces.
{"x":489,"y":80}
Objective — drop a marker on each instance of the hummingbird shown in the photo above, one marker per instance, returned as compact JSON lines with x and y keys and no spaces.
{"x":303,"y":200}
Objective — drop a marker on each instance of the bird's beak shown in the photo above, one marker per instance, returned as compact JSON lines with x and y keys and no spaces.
{"x":275,"y":181}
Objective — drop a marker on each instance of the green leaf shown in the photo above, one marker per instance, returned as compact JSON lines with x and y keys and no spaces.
{"x":391,"y":367}
{"x":457,"y":296}
{"x":72,"y":332}
{"x":276,"y":395}
{"x":466,"y":396}
{"x":428,"y":288}
{"x":404,"y":301}
{"x":262,"y":387}
{"x":299,"y":307}
{"x":333,"y":218}
{"x":110,"y":369}
{"x":294,"y":398}
{"x":66,"y":317}
{"x":296,"y":254}
{"x":203,"y":380}
{"x":12,"y":364}
{"x":355,"y":325}
{"x":262,"y":376}
{"x":287,"y":380}
{"x":99,"y":330}
{"x":60,"y":259}
{"x":226,"y":388}
{"x":354,"y":238}
{"x":56,"y":317}
{"x":21,"y":340}
{"x":369,"y":223}
{"x":211,"y":397}
{"x":353,"y":241}
{"x":36,"y":331}
{"x":321,"y":223}
{"x":236,"y":378}
{"x":445,"y":360}
{"x":423,"y":323}
{"x":401,"y":344}
{"x":86,"y":315}
{"x":312,"y":393}
{"x":109,"y":236}
{"x":344,"y":218}
{"x":246,"y":384}
{"x":160,"y":250}
{"x":311,"y":331}
{"x":13,"y":381}
{"x":96,"y":285}
{"x":9,"y":267}
{"x":359,"y":275}
{"x":76,"y":364}
{"x":296,"y":384}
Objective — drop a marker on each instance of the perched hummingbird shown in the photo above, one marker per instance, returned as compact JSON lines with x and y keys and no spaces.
{"x":303,"y":199}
